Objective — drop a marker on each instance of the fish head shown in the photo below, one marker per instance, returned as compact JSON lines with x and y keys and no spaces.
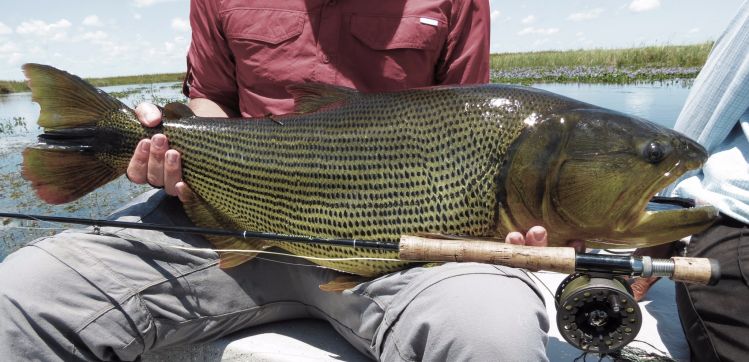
{"x":589,"y":173}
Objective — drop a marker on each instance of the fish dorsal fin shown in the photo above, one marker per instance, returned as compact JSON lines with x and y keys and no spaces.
{"x":311,"y":97}
{"x":177,"y":110}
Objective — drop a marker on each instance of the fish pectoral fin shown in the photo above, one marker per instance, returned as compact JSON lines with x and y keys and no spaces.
{"x":311,"y":97}
{"x":343,"y":282}
{"x":232,"y":251}
{"x":177,"y":110}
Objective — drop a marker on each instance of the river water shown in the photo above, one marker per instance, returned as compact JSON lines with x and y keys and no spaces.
{"x":659,"y":103}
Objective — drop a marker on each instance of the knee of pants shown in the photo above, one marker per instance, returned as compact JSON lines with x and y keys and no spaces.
{"x":471,"y":317}
{"x":32,"y":320}
{"x":44,"y":305}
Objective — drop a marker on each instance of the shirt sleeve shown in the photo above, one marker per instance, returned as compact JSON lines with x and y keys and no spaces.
{"x":466,"y":56}
{"x":720,"y":94}
{"x":210,"y":64}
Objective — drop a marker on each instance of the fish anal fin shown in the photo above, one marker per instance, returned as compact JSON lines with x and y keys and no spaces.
{"x":343,"y":282}
{"x":231,"y":259}
{"x":176,"y":110}
{"x":311,"y":97}
{"x":233,"y":251}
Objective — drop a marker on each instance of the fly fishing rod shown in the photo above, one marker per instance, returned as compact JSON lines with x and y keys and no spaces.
{"x":415,"y":248}
{"x":596,"y":311}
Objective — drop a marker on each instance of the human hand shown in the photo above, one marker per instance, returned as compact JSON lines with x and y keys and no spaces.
{"x":153,"y":162}
{"x":537,"y":236}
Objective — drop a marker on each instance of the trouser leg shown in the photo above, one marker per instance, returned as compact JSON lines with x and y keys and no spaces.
{"x":118,"y":294}
{"x":456,"y":312}
{"x":715,"y":319}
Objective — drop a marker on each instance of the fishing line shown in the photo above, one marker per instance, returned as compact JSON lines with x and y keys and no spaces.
{"x":651,"y":346}
{"x":533,"y":276}
{"x":192,"y":230}
{"x":34,"y":228}
{"x":251,"y":251}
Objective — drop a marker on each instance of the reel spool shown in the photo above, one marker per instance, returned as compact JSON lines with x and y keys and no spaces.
{"x":597,"y":313}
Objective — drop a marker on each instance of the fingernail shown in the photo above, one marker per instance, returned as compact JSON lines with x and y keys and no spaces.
{"x":539,"y":234}
{"x":145,"y":147}
{"x":152,"y":115}
{"x":159,"y":141}
{"x":171,"y":158}
{"x":516,"y":239}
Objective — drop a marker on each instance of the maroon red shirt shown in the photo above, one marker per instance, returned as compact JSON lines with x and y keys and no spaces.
{"x":244,"y":52}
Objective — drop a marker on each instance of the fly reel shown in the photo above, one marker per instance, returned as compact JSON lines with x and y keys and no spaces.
{"x":597,"y":312}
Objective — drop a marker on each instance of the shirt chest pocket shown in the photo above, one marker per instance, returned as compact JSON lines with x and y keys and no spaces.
{"x":267,"y":27}
{"x":390,"y":33}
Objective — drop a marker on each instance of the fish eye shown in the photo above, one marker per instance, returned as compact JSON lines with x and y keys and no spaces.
{"x":655,"y":152}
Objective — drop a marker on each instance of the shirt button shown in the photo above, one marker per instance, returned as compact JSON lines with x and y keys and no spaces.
{"x":325,"y":59}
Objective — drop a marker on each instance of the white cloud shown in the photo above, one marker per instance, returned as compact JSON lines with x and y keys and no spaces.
{"x":585,"y":15}
{"x":8,"y":47}
{"x":92,"y":20}
{"x":644,"y":5}
{"x":694,"y":30}
{"x":528,"y":19}
{"x":15,"y":58}
{"x":4,"y":29}
{"x":495,"y":15}
{"x":95,"y":35}
{"x":53,"y":31}
{"x":147,"y":3}
{"x":137,"y":16}
{"x":180,"y":24}
{"x":143,"y":3}
{"x":538,"y":31}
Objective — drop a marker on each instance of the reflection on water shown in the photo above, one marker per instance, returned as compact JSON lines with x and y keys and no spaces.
{"x":660,"y":104}
{"x":657,"y":103}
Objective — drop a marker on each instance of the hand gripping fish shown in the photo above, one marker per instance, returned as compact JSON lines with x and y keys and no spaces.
{"x":476,"y":161}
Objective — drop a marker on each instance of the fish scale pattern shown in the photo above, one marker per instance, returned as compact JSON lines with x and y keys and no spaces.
{"x":375,"y":167}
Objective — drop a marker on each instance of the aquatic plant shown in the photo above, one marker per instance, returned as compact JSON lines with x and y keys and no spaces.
{"x":593,"y":74}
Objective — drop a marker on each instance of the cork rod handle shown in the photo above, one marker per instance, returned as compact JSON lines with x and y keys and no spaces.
{"x":465,"y":250}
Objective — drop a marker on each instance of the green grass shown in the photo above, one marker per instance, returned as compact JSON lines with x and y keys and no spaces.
{"x":669,"y":63}
{"x":651,"y":57}
{"x":652,"y":63}
{"x":9,"y":86}
{"x":20,"y":86}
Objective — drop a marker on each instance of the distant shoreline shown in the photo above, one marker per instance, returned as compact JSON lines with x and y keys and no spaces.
{"x":617,"y":66}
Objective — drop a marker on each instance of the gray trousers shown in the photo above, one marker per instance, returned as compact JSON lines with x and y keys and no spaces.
{"x":120,"y":293}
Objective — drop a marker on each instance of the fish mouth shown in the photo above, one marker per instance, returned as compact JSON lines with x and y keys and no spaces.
{"x":660,"y":219}
{"x":665,"y":219}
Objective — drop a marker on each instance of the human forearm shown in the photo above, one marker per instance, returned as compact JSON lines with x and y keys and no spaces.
{"x":205,"y":107}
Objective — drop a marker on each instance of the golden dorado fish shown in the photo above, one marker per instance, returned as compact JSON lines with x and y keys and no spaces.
{"x":477,"y":160}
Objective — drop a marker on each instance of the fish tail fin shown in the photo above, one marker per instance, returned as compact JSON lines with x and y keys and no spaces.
{"x":89,"y":136}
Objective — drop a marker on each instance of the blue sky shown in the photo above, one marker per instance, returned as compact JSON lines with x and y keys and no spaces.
{"x":95,"y":38}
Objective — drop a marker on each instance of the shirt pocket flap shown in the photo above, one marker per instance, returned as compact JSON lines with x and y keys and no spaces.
{"x":265,"y":25}
{"x":411,"y":32}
